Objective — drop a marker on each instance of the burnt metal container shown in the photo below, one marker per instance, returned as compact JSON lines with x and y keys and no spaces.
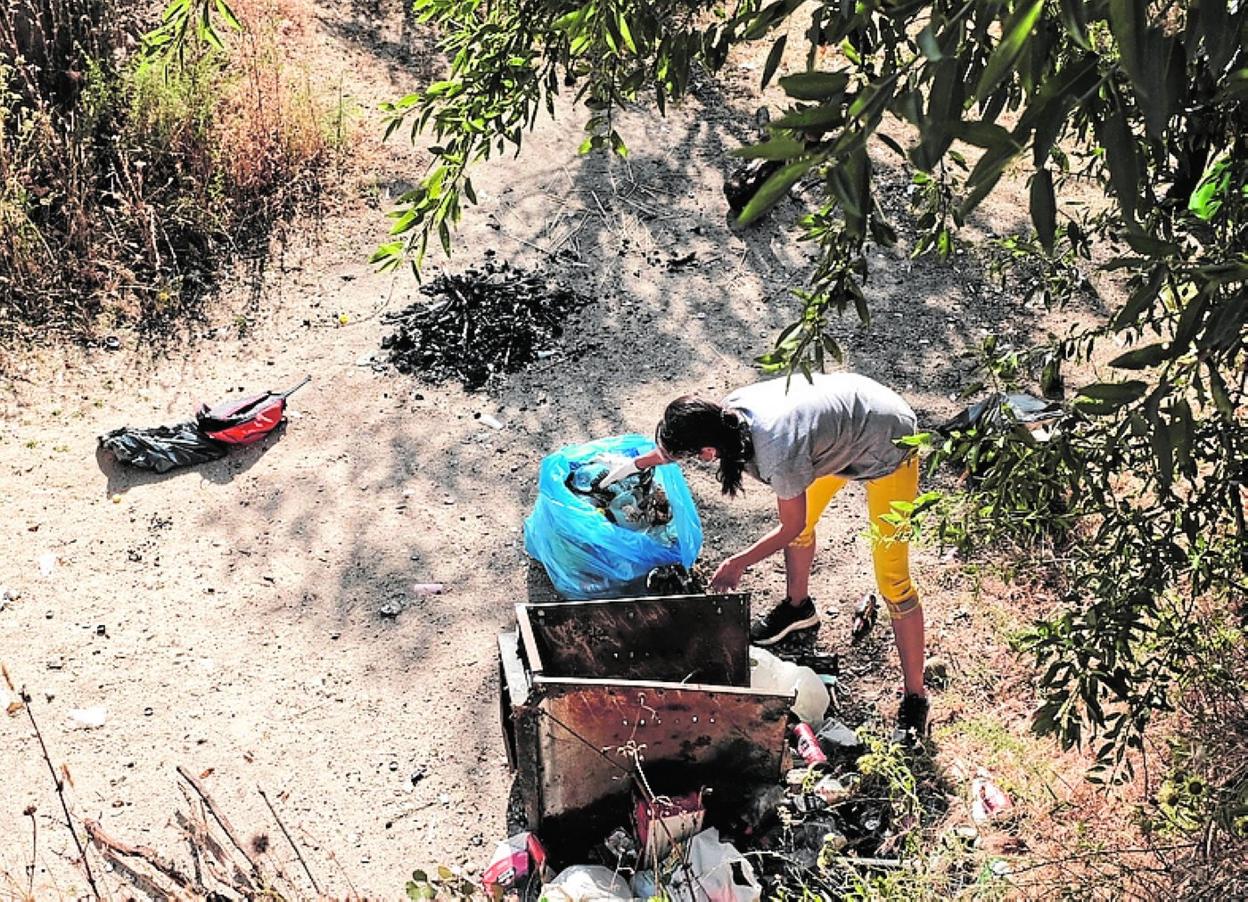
{"x":596,"y":695}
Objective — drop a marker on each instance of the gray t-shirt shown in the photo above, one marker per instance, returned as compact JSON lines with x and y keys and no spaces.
{"x":842,"y":424}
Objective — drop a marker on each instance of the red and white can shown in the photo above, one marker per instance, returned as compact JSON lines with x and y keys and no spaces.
{"x":808,"y":745}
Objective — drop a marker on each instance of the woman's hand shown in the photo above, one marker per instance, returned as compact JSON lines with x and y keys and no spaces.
{"x":727,"y":575}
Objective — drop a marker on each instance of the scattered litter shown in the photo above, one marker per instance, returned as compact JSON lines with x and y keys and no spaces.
{"x":716,"y":872}
{"x":479,"y":323}
{"x":674,"y":579}
{"x":247,"y":420}
{"x":47,"y":563}
{"x":865,"y":613}
{"x":421,"y":589}
{"x":759,"y":808}
{"x":621,"y":846}
{"x":744,"y":181}
{"x":88,"y":718}
{"x":644,"y":885}
{"x":392,"y":608}
{"x":835,"y":735}
{"x":164,"y":448}
{"x":820,"y":662}
{"x":936,"y":673}
{"x":514,"y":860}
{"x":813,"y":836}
{"x":807,"y":745}
{"x":772,"y":674}
{"x":665,"y":821}
{"x":831,"y":790}
{"x":586,"y":883}
{"x":988,"y":801}
{"x":490,"y":421}
{"x":8,"y":595}
{"x":1002,"y":410}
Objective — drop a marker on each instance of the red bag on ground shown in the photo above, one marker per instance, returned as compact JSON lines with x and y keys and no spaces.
{"x":246,"y":420}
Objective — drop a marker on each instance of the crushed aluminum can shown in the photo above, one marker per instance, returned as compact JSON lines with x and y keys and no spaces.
{"x":514,"y":860}
{"x":808,"y":745}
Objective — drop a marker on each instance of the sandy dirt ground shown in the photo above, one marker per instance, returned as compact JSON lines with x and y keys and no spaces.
{"x":229,"y":617}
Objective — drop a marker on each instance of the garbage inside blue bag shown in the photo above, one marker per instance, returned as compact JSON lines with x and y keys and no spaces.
{"x":600,"y":541}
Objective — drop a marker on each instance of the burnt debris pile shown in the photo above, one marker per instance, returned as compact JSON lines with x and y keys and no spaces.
{"x":485,"y":321}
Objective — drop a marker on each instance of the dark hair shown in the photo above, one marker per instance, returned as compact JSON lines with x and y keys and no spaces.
{"x":690,"y":424}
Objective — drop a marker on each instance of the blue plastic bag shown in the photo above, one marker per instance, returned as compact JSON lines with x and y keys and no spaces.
{"x":572,"y":534}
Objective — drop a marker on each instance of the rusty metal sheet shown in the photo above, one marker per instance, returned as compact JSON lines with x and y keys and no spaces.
{"x":674,"y":638}
{"x":519,"y":723}
{"x":719,"y":735}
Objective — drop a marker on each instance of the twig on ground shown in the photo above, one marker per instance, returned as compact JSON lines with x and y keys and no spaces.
{"x":1086,"y":856}
{"x":606,"y":220}
{"x":223,"y":821}
{"x":34,"y":851}
{"x":144,"y":853}
{"x":538,"y":247}
{"x":60,"y":792}
{"x":345,"y":876}
{"x":198,"y":836}
{"x":289,"y":839}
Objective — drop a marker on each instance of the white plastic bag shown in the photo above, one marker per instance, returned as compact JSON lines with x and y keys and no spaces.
{"x":586,"y":883}
{"x":771,"y":674}
{"x":717,"y":872}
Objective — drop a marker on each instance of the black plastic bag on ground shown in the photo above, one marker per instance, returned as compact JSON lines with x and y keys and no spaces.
{"x":163,"y":448}
{"x":1001,"y":409}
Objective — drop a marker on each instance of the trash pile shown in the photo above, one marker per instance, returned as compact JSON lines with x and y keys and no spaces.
{"x":479,"y":323}
{"x":723,"y":842}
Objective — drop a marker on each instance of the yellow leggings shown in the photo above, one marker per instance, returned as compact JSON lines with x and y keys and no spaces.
{"x":892,"y":559}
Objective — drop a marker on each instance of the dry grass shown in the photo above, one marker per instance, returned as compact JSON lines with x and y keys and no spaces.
{"x":124,"y":187}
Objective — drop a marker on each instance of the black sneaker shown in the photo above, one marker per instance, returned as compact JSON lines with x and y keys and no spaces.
{"x":911,"y":720}
{"x":783,"y":619}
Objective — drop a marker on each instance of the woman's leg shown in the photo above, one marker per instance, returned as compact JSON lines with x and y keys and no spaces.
{"x":799,"y":555}
{"x":892,"y":571}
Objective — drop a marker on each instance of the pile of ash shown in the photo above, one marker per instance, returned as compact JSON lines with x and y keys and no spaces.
{"x":479,"y":323}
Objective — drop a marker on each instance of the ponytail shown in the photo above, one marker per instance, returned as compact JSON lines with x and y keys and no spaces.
{"x":690,"y":424}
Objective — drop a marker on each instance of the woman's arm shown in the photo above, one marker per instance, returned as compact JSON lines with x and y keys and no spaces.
{"x":651,"y":459}
{"x":792,"y":513}
{"x":634,"y":465}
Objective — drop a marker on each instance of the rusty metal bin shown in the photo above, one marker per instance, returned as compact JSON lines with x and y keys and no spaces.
{"x":589,"y":686}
